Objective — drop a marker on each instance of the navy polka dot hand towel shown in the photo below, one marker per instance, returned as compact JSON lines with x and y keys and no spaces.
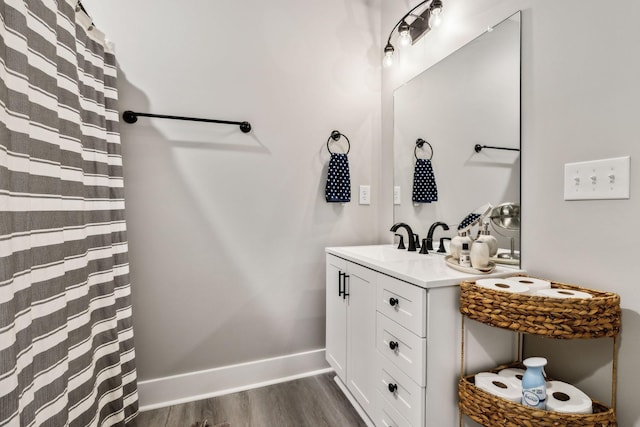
{"x":338,"y":181}
{"x":424,"y":182}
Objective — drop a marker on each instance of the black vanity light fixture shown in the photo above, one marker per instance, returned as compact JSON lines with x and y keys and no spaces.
{"x":409,"y":33}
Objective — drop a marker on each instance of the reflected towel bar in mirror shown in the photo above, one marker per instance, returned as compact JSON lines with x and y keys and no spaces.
{"x":132,"y":117}
{"x":479,"y":148}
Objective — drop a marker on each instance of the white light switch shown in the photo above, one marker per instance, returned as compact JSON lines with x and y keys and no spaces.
{"x":597,"y":179}
{"x":396,"y":195}
{"x":365,"y":194}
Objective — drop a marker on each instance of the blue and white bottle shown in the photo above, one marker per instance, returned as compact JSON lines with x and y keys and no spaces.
{"x":534,"y":387}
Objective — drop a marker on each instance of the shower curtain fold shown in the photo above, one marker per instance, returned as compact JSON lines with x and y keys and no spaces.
{"x":66,"y":340}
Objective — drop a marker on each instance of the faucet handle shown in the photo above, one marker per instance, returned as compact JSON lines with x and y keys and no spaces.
{"x":424,"y":249}
{"x":416,"y":239}
{"x":441,"y":248}
{"x":401,"y":244}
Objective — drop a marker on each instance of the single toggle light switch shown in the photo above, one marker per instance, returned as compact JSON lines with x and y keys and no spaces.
{"x":598,"y":179}
{"x":365,"y":194}
{"x":396,"y":195}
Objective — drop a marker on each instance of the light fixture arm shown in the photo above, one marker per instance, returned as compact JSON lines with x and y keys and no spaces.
{"x":410,"y":33}
{"x":405,"y":17}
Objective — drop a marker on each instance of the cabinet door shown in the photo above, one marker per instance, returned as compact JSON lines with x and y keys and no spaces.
{"x":336,"y":322}
{"x":361,"y":336}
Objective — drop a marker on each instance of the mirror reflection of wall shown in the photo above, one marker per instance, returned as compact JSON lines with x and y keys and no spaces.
{"x":470,"y":97}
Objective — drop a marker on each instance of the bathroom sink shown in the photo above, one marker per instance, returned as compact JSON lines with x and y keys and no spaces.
{"x":385,"y":253}
{"x":424,"y":270}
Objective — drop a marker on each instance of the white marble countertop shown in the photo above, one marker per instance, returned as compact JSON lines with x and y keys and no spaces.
{"x":426,"y":271}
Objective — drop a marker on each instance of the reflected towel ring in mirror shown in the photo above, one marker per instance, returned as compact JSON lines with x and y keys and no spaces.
{"x":335,"y":135}
{"x":419,"y":144}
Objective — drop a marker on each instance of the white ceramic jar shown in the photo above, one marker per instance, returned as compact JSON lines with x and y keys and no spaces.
{"x":479,"y":254}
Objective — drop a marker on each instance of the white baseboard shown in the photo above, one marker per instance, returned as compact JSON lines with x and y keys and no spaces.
{"x":176,"y":389}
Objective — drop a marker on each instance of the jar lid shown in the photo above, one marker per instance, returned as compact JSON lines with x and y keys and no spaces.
{"x":535,"y":362}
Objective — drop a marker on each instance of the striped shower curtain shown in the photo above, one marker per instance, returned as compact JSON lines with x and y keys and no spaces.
{"x":66,"y":340}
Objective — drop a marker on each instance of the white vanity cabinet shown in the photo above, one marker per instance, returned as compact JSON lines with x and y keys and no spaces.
{"x":401,"y":321}
{"x":350,"y":339}
{"x":336,"y":315}
{"x":393,"y":334}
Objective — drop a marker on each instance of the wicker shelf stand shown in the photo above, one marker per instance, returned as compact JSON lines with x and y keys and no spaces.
{"x":571,"y":318}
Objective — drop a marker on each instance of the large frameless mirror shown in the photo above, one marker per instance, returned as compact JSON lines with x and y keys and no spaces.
{"x":463,"y":114}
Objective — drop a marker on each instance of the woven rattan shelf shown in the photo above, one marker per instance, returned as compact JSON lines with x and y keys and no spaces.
{"x":492,"y":411}
{"x":571,"y":318}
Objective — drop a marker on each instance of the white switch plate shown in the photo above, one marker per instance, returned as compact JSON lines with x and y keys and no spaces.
{"x":365,"y":194}
{"x":396,"y":195}
{"x":597,"y":179}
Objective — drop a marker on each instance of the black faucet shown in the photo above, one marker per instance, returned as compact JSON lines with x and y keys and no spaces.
{"x":432,"y":229}
{"x":410,"y":239}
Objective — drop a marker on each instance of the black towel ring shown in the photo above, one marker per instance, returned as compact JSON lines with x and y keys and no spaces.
{"x":419,"y":143}
{"x":335,"y":135}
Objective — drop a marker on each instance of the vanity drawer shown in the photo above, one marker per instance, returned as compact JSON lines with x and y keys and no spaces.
{"x":400,"y":391}
{"x":387,"y":416}
{"x":403,"y":303}
{"x":403,"y":348}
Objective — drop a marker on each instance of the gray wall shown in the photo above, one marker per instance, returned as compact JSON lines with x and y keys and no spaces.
{"x":226,"y":230}
{"x":580,"y":94}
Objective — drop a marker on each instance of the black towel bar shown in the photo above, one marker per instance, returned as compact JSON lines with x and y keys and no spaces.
{"x":479,"y":148}
{"x":132,"y":117}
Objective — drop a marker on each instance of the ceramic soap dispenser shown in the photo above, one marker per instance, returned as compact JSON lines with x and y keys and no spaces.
{"x":456,"y":244}
{"x":485,"y":236}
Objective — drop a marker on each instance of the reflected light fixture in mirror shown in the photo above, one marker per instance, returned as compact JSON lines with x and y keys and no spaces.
{"x":409,"y":33}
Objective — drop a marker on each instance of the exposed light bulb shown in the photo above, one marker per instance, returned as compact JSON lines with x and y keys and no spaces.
{"x":404,"y":30}
{"x":388,"y":60}
{"x":405,"y":39}
{"x":436,"y":8}
{"x":436,"y":19}
{"x":388,"y":56}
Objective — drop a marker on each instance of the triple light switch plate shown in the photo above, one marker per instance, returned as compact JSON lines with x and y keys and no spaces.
{"x":597,"y":179}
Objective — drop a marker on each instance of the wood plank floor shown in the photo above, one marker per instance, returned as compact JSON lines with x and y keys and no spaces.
{"x":308,"y":402}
